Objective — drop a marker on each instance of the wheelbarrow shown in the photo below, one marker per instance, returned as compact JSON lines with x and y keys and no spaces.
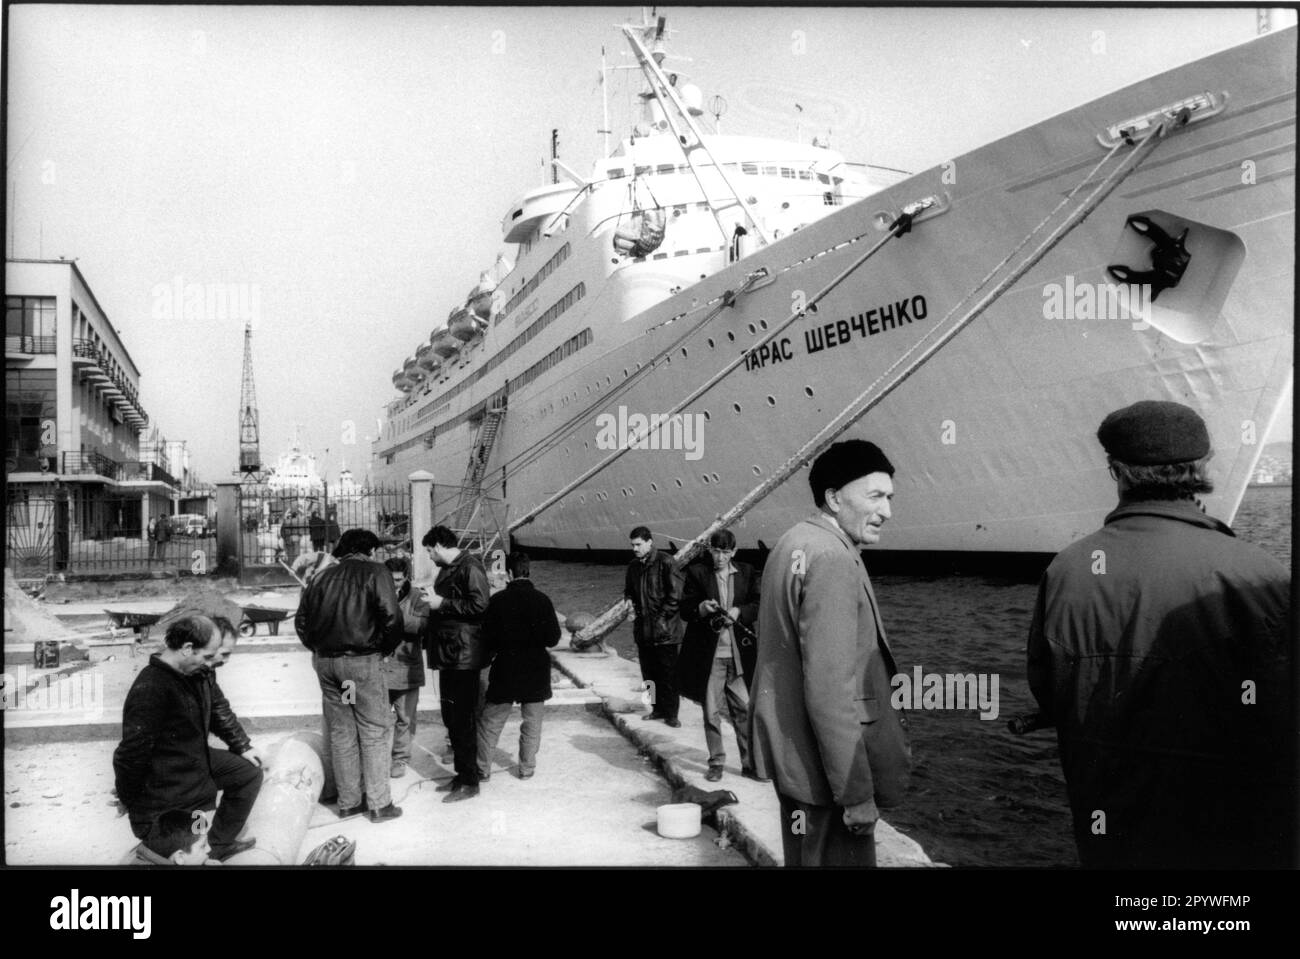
{"x":139,"y":623}
{"x":262,"y":614}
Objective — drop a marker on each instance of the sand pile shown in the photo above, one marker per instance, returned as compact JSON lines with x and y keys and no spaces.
{"x":26,"y":621}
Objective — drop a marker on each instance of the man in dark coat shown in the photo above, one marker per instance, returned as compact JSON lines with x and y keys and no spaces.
{"x":520,"y":625}
{"x":1160,"y":650}
{"x":404,"y":670}
{"x":350,"y":619}
{"x":164,"y":761}
{"x":716,"y":663}
{"x":653,"y":587}
{"x":455,"y":642}
{"x":316,"y":530}
{"x":824,"y":726}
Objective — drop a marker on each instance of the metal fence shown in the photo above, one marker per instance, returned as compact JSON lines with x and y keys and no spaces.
{"x":55,"y":528}
{"x":277,"y":524}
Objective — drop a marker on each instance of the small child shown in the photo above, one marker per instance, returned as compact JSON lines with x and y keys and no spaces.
{"x":178,"y":838}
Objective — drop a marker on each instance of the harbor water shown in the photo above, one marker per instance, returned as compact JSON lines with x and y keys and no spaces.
{"x":980,"y":796}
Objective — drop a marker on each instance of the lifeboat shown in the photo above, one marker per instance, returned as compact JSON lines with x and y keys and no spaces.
{"x":444,"y":344}
{"x":414,"y":375}
{"x":401,"y":382}
{"x":480,"y":298}
{"x":426,"y":359}
{"x":463,"y":324}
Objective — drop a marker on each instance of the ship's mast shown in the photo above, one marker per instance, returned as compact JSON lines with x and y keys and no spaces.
{"x":662,"y":90}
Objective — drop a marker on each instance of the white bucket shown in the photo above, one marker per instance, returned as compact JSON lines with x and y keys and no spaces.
{"x":679,"y":820}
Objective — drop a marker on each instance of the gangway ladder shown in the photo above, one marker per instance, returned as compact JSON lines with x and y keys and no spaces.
{"x":471,"y":489}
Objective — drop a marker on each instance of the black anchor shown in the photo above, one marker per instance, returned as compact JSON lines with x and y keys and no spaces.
{"x":1169,"y":258}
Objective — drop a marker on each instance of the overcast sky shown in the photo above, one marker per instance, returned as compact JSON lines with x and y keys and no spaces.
{"x":343,"y":170}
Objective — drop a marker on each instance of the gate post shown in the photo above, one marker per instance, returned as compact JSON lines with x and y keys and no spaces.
{"x":229,"y":532}
{"x":61,"y":528}
{"x":422,"y":570}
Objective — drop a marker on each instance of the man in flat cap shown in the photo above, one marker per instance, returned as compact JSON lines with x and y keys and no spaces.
{"x":1160,"y":651}
{"x":823,"y":727}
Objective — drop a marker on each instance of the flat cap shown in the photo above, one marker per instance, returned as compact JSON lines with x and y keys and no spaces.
{"x":1154,"y":432}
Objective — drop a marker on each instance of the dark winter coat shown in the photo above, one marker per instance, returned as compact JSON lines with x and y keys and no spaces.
{"x":655,"y":588}
{"x":701,"y":642}
{"x":519,"y":627}
{"x":455,"y":636}
{"x":162,"y":761}
{"x":350,"y":607}
{"x":1148,"y":638}
{"x":405,"y":668}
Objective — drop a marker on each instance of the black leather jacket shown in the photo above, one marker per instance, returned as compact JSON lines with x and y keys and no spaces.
{"x":655,"y":588}
{"x":224,"y":721}
{"x":456,"y":628}
{"x":350,"y":607}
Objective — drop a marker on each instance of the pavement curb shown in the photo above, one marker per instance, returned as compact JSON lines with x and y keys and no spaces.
{"x":729,"y":822}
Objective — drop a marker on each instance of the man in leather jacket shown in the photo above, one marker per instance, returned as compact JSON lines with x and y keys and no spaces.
{"x":349,"y":618}
{"x":225,"y":724}
{"x":455,"y":643}
{"x":654,"y":588}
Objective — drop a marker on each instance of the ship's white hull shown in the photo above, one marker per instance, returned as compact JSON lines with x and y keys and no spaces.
{"x":994,"y":439}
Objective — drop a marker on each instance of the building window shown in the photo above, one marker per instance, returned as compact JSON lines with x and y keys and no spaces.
{"x":29,"y":324}
{"x":30,"y":420}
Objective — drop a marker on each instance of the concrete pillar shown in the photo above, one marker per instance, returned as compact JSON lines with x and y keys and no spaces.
{"x":145,"y":514}
{"x":293,"y":777}
{"x":422,"y":569}
{"x":229,"y":529}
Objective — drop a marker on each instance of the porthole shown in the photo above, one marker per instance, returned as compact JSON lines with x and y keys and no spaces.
{"x":736,"y":407}
{"x":607,"y":381}
{"x":771,"y":401}
{"x":707,"y":417}
{"x":812,"y":307}
{"x":757,"y":471}
{"x":763,"y":324}
{"x":715,"y":478}
{"x":711,"y":344}
{"x":808,"y":391}
{"x":705,"y":477}
{"x":731,"y":336}
{"x":752,"y":329}
{"x":654,"y":487}
{"x":683,"y":352}
{"x":679,"y":483}
{"x":582,"y":500}
{"x":625,"y":372}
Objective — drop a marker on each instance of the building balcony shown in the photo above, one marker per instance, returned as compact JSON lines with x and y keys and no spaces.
{"x":96,"y":368}
{"x":24,"y":345}
{"x":134,"y":472}
{"x":91,"y":464}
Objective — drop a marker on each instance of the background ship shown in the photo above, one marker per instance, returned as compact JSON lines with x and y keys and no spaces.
{"x":682,"y":251}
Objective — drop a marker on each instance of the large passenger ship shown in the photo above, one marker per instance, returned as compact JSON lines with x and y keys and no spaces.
{"x":780,"y":282}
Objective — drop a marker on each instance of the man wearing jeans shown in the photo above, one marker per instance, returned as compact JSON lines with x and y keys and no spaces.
{"x":720,"y":607}
{"x":349,"y":618}
{"x":519,"y":626}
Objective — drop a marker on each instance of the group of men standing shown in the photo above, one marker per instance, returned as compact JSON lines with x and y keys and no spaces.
{"x":1160,"y":650}
{"x":366,"y":625}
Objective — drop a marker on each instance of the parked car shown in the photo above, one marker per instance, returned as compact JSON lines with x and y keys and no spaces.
{"x":189,"y":524}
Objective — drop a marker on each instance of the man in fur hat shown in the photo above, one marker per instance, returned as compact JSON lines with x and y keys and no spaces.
{"x":823,"y":726}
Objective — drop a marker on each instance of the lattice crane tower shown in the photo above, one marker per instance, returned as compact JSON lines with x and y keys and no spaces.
{"x":250,"y":452}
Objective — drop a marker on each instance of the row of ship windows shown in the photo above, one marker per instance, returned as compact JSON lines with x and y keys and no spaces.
{"x":749,"y":169}
{"x":600,"y":496}
{"x":547,"y":269}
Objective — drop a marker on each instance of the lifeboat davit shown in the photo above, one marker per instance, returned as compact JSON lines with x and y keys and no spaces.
{"x":463,"y":325}
{"x":401,"y":382}
{"x":444,"y":344}
{"x":426,"y":359}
